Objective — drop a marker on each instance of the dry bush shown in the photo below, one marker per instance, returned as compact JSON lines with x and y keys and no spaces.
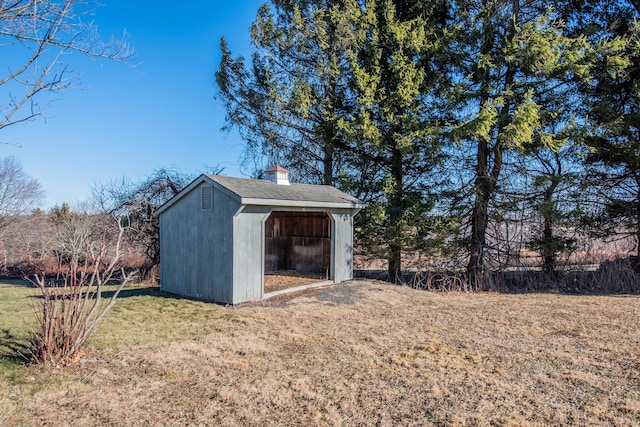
{"x":35,"y":243}
{"x":616,"y":276}
{"x":71,"y":303}
{"x":442,"y":282}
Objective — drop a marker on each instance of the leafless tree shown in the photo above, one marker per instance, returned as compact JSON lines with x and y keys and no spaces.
{"x":137,"y":202}
{"x":19,"y":193}
{"x":23,"y":242}
{"x":36,"y":37}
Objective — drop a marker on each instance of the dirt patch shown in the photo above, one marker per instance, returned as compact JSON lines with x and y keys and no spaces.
{"x":287,"y":279}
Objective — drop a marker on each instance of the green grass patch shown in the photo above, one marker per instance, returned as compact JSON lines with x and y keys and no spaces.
{"x":142,"y":317}
{"x":149,"y":318}
{"x":16,"y":321}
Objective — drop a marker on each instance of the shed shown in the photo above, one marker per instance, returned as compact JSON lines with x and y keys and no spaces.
{"x":219,"y":235}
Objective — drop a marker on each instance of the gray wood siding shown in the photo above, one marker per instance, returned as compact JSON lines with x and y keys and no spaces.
{"x":248,"y":255}
{"x":342,"y":248}
{"x":196,"y":247}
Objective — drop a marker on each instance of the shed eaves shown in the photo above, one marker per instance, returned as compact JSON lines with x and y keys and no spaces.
{"x":268,"y":190}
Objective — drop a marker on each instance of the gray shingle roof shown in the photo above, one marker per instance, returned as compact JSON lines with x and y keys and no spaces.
{"x":263,"y":190}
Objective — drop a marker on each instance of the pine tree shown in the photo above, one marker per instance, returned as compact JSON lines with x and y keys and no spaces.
{"x":613,"y":102}
{"x":518,"y":62}
{"x":288,"y":103}
{"x":397,"y":130}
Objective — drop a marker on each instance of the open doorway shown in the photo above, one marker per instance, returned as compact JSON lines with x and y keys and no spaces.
{"x":297,"y":249}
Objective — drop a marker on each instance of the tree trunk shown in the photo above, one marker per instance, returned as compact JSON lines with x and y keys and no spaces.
{"x":395,"y":264}
{"x":479,"y":217}
{"x":327,"y":172}
{"x":549,"y":247}
{"x":486,"y":181}
{"x":395,"y":215}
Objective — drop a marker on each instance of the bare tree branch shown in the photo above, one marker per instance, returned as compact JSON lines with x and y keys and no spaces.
{"x":35,"y":36}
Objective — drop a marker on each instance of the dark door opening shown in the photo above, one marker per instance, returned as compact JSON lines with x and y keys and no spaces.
{"x":298,"y":244}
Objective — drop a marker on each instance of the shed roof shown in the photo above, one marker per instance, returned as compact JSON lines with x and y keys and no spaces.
{"x":262,"y":189}
{"x":264,"y":192}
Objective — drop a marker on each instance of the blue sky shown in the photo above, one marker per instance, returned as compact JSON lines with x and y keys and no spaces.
{"x":123,"y":122}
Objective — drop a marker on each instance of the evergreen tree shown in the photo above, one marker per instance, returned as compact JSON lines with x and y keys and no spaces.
{"x":345,"y":92}
{"x":613,"y":102}
{"x":288,"y":104}
{"x":518,"y":63}
{"x":400,"y":88}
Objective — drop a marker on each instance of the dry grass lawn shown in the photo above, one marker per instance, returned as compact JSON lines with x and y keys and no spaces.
{"x":361,"y":353}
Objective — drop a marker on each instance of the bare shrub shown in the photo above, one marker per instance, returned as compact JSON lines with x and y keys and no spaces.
{"x":616,"y":276}
{"x":71,"y":302}
{"x":441,"y":282}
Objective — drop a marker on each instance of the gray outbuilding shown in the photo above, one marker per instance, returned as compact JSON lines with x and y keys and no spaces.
{"x":219,"y":235}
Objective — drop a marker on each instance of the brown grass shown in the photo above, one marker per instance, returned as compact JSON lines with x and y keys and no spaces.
{"x":361,"y":353}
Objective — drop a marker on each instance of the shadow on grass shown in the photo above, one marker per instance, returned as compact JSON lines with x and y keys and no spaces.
{"x":137,"y":292}
{"x":153,"y":291}
{"x":14,"y":349}
{"x":16,"y":282}
{"x":131,"y":290}
{"x":129,"y":293}
{"x":150,"y":291}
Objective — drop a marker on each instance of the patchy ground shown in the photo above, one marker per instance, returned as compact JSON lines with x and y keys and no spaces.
{"x":360,"y":353}
{"x":286,"y":279}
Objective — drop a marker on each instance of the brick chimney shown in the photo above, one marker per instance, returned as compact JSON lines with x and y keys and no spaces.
{"x":278,"y":174}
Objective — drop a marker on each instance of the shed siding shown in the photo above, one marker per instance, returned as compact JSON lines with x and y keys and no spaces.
{"x":342,"y":248}
{"x":248,"y":257}
{"x":196,"y":248}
